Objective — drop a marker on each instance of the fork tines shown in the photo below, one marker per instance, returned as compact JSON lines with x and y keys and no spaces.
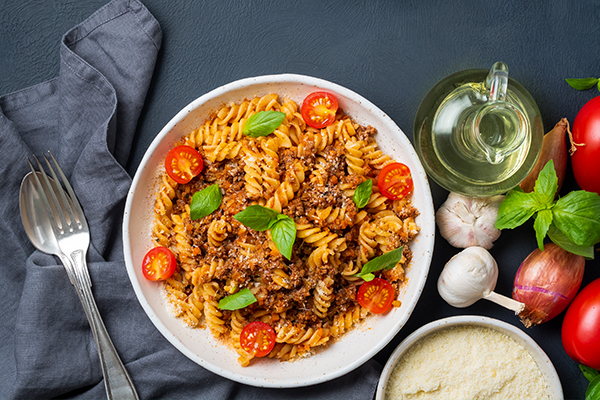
{"x":54,"y":196}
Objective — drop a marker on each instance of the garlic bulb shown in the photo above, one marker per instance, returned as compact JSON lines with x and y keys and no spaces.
{"x":472,"y":275}
{"x":467,"y":221}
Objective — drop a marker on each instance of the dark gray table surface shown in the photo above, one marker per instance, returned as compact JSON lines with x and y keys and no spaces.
{"x":391,"y":52}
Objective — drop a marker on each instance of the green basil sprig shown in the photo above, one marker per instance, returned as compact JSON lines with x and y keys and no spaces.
{"x":583,"y":83}
{"x":262,"y":123}
{"x":283,"y":228}
{"x":205,"y":201}
{"x":572,"y":221}
{"x":592,"y":375}
{"x":283,"y":233}
{"x":238,"y":300}
{"x":385,"y":261}
{"x":362,"y":194}
{"x":258,"y":217}
{"x":589,"y":373}
{"x":563,"y":241}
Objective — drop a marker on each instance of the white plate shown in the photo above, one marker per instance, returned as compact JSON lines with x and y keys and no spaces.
{"x":357,"y":346}
{"x":541,"y":359}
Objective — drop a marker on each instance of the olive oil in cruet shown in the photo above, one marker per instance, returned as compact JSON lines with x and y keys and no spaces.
{"x":478,"y":133}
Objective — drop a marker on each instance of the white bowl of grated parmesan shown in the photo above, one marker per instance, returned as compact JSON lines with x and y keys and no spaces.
{"x":341,"y":354}
{"x":469,"y":357}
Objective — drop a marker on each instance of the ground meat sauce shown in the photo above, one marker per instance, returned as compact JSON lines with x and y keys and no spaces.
{"x":230,"y":177}
{"x":238,"y":269}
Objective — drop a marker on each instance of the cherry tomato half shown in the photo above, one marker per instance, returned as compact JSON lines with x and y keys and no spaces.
{"x":319,"y":108}
{"x":581,"y":327}
{"x":257,"y":338}
{"x":586,"y":129}
{"x":376,"y":295}
{"x":183,"y":163}
{"x":395,"y":181}
{"x":159,"y":264}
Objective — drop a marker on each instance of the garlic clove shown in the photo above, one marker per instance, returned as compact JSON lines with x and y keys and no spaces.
{"x":471,"y":275}
{"x":467,"y":221}
{"x":467,"y":277}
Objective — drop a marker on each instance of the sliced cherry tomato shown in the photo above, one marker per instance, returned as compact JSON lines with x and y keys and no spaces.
{"x":376,"y":295}
{"x":257,"y":338}
{"x":319,"y":108}
{"x":183,"y":163}
{"x":159,"y":264}
{"x":395,"y":181}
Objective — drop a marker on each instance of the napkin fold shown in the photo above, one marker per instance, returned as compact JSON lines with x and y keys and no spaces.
{"x":87,"y":118}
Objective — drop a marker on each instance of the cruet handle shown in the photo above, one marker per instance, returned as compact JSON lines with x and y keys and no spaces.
{"x":497,"y":81}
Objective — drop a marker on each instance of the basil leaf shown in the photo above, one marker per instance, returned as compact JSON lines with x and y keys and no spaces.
{"x":589,"y":373}
{"x":593,"y":390}
{"x":366,"y":277}
{"x":238,"y":300}
{"x":262,"y":123}
{"x":257,"y":217}
{"x":385,"y":261}
{"x":283,"y":234}
{"x":546,"y":184}
{"x":516,"y":208}
{"x":582,"y":83}
{"x":205,"y":201}
{"x":362,"y":194}
{"x":563,"y":241}
{"x":283,"y":228}
{"x":541,"y":224}
{"x":577,"y":215}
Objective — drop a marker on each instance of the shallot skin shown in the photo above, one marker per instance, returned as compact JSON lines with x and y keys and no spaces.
{"x":554,"y":148}
{"x":547,"y":281}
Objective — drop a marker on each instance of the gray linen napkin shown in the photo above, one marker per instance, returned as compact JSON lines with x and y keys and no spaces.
{"x":87,"y":117}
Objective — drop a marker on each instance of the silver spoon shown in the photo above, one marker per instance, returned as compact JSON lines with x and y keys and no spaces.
{"x":38,"y":228}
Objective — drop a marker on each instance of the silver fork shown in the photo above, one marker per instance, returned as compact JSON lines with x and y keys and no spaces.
{"x":72,"y":233}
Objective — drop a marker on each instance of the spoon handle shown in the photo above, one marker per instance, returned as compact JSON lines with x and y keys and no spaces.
{"x":116,"y":379}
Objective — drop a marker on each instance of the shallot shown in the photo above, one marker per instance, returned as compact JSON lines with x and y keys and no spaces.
{"x":554,"y":148}
{"x":546,"y":282}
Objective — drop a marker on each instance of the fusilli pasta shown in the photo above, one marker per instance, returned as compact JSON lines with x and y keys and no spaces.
{"x":308,"y":174}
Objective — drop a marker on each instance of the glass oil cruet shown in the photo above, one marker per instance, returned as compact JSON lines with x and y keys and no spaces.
{"x":478,"y":132}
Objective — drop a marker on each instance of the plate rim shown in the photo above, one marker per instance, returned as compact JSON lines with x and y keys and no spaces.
{"x":297,"y":79}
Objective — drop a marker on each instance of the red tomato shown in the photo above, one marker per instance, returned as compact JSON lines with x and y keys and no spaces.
{"x":395,"y":181}
{"x":581,"y":327}
{"x":159,"y":264}
{"x":183,"y":163}
{"x":586,"y":160}
{"x":257,"y":338}
{"x":318,"y":109}
{"x":376,"y":295}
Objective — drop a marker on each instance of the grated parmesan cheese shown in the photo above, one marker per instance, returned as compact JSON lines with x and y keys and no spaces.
{"x":467,"y":362}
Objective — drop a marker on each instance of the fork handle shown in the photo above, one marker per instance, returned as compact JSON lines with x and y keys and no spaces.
{"x":116,"y":379}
